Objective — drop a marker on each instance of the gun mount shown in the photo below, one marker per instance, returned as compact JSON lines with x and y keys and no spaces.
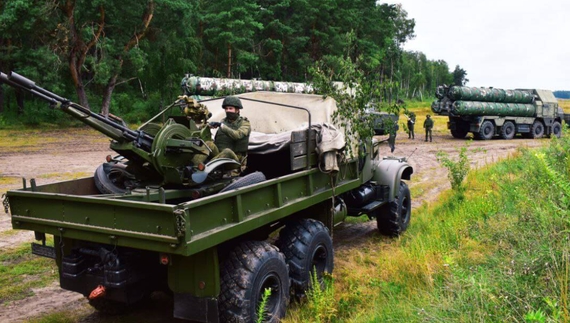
{"x":169,"y":153}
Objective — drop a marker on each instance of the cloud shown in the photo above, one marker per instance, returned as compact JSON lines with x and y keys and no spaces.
{"x":506,"y":44}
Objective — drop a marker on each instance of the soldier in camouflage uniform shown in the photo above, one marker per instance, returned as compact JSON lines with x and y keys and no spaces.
{"x":232,"y":138}
{"x":428,"y":125}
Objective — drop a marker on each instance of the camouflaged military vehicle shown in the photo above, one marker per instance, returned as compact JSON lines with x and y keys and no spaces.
{"x":202,"y":234}
{"x":490,"y":112}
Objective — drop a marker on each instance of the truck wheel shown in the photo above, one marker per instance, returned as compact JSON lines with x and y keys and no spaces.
{"x":508,"y":130}
{"x":111,"y":179}
{"x":249,"y":179}
{"x":487,"y":130}
{"x":249,"y":269}
{"x":307,"y":246}
{"x":556,"y":129}
{"x":537,"y":130}
{"x":108,"y":307}
{"x":394,"y":218}
{"x":459,"y":133}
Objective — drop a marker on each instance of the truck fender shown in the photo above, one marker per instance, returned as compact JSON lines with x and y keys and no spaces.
{"x":200,"y":176}
{"x":390,"y":171}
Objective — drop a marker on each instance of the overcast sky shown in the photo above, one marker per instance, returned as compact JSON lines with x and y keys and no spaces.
{"x":505,"y":44}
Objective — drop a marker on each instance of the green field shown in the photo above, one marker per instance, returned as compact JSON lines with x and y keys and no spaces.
{"x":497,"y":252}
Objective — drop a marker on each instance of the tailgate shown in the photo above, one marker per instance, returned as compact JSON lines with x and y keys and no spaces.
{"x":141,"y":225}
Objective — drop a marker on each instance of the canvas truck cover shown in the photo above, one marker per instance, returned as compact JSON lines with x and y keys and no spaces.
{"x":272,"y":124}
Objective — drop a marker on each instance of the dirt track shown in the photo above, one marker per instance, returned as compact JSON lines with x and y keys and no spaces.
{"x":82,"y":155}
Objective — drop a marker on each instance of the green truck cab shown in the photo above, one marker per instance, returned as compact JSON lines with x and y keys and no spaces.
{"x":490,"y":112}
{"x":216,"y":246}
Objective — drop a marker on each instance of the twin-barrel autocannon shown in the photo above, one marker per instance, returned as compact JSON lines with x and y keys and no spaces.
{"x":171,"y":153}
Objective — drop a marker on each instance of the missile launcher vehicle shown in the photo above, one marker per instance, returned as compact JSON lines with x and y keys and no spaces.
{"x":490,"y":112}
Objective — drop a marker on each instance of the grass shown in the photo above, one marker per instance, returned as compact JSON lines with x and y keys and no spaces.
{"x":499,"y":252}
{"x":18,"y":141}
{"x":21,"y":271}
{"x":564,"y":104}
{"x":9,"y":233}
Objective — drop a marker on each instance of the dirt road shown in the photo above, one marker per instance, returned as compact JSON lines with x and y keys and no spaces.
{"x":78,"y":156}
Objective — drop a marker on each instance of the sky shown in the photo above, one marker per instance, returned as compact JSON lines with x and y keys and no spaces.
{"x":504,"y":44}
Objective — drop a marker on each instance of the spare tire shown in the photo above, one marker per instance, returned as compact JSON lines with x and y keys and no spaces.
{"x":112,"y":179}
{"x":250,"y":179}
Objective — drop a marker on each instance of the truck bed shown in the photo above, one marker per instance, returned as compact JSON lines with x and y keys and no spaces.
{"x":73,"y":209}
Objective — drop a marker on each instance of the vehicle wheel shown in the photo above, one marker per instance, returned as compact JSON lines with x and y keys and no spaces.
{"x":250,"y":179}
{"x":394,"y":218}
{"x":556,"y":129}
{"x":487,"y":130}
{"x":112,"y":178}
{"x":537,"y":130}
{"x":249,"y":269}
{"x":307,"y":246}
{"x":108,"y":307}
{"x":459,"y":133}
{"x":508,"y":130}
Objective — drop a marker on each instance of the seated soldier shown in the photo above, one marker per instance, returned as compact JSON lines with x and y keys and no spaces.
{"x":232,"y":137}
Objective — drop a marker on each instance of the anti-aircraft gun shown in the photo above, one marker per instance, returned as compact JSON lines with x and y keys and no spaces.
{"x":487,"y":112}
{"x":172,"y":153}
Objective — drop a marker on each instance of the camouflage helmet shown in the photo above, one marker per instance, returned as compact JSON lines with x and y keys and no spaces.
{"x":232,"y":101}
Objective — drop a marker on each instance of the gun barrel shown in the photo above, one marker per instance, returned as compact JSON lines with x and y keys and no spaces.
{"x":31,"y":85}
{"x":97,"y":121}
{"x":19,"y":79}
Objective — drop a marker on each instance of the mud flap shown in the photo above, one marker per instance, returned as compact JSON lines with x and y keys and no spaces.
{"x":199,"y":309}
{"x":43,"y":250}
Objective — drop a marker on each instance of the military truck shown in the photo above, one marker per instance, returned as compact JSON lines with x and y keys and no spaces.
{"x":490,"y":112}
{"x":213,"y":241}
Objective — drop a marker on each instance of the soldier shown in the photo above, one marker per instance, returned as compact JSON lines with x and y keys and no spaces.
{"x":411,"y":123}
{"x":232,"y":138}
{"x":392,"y":132}
{"x":428,"y":125}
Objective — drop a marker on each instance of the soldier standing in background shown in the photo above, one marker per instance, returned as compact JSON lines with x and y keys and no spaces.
{"x":428,"y":125}
{"x":411,"y":123}
{"x":392,"y":131}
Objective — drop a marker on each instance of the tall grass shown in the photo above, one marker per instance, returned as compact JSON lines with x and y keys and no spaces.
{"x":497,"y":252}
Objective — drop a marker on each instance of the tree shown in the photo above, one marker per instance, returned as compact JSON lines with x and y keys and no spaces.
{"x":97,"y":37}
{"x":459,"y":76}
{"x":231,"y":25}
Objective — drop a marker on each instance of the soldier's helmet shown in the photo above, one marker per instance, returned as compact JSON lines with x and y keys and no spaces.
{"x":232,"y":101}
{"x":428,"y":116}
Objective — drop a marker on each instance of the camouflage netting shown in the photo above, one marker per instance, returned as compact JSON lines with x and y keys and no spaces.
{"x":476,"y":108}
{"x":466,"y":93}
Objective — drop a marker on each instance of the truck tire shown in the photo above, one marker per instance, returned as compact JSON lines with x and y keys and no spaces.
{"x":248,"y":270}
{"x":108,"y":307}
{"x":249,"y":179}
{"x":110,"y":179}
{"x":487,"y":130}
{"x":508,"y":130}
{"x":394,"y":218}
{"x":307,"y":246}
{"x":537,"y":130}
{"x":459,"y":133}
{"x":556,"y":129}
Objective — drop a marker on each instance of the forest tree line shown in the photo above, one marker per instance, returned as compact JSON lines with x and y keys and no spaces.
{"x":128,"y":57}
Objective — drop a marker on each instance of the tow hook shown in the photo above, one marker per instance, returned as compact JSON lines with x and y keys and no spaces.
{"x":99,"y":291}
